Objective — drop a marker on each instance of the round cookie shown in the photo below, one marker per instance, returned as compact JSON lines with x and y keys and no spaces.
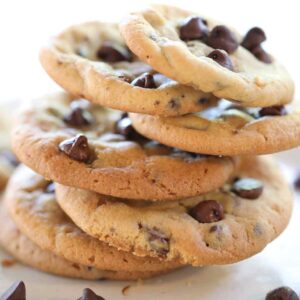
{"x":32,"y":205}
{"x":221,"y":227}
{"x":123,"y":165}
{"x":198,"y":52}
{"x":28,"y":253}
{"x":226,"y":130}
{"x":91,"y":60}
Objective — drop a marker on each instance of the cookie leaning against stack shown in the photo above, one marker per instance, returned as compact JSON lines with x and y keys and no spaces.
{"x":171,"y":188}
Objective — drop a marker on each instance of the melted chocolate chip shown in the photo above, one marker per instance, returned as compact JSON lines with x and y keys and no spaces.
{"x":10,"y":156}
{"x":221,"y":58}
{"x":261,"y":54}
{"x":222,"y":38}
{"x":158,"y":241}
{"x":111,"y":52}
{"x":145,"y":81}
{"x":207,"y":211}
{"x":88,"y":294}
{"x":193,"y":28}
{"x":125,"y":128}
{"x":248,"y":188}
{"x":76,"y":148}
{"x":50,"y":188}
{"x":253,"y":38}
{"x":282,"y":293}
{"x":16,"y":292}
{"x":276,"y":110}
{"x":78,"y":117}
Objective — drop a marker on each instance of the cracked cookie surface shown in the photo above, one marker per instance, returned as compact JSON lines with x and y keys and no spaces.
{"x":31,"y":202}
{"x":75,"y":143}
{"x":181,"y":44}
{"x":221,"y":227}
{"x":226,"y":130}
{"x":91,"y":60}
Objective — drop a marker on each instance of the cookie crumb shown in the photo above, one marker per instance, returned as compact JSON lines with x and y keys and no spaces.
{"x":125,"y":290}
{"x":7,"y":263}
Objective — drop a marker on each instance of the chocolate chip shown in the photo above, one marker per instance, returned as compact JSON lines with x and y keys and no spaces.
{"x":221,"y":58}
{"x":253,"y":38}
{"x":261,"y":55}
{"x":78,"y":117}
{"x":222,"y":38}
{"x":248,"y":188}
{"x":282,"y":293}
{"x":145,"y":80}
{"x":10,"y":156}
{"x":193,"y":28}
{"x":76,"y":148}
{"x":158,"y":241}
{"x":50,"y":188}
{"x":276,"y":110}
{"x":207,"y":211}
{"x":297,"y":182}
{"x":16,"y":292}
{"x":252,"y":41}
{"x":111,"y":52}
{"x":125,"y":128}
{"x":174,"y":103}
{"x":88,"y":294}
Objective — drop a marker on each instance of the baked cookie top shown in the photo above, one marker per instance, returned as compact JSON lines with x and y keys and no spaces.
{"x":28,"y":253}
{"x":75,"y":143}
{"x":226,"y":129}
{"x":91,"y":61}
{"x":203,"y":53}
{"x":221,"y":227}
{"x":31,"y":203}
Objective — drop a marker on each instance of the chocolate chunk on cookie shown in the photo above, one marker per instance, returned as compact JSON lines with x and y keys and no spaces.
{"x":221,"y":37}
{"x":207,"y":211}
{"x":76,"y":148}
{"x":248,"y":188}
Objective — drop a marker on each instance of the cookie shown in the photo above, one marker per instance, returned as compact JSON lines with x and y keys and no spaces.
{"x":226,"y":130}
{"x":207,"y":55}
{"x":28,"y":253}
{"x":81,"y":145}
{"x":91,"y":61}
{"x":32,"y":205}
{"x":221,"y":227}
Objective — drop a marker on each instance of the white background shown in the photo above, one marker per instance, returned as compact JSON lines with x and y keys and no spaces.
{"x":26,"y":24}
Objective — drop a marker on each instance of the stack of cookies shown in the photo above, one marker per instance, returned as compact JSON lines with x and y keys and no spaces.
{"x":175,"y":182}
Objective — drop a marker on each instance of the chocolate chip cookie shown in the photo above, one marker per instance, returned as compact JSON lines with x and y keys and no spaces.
{"x":91,"y":60}
{"x":31,"y":202}
{"x":205,"y":54}
{"x":75,"y":143}
{"x":28,"y":253}
{"x":221,"y":227}
{"x":226,"y":129}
